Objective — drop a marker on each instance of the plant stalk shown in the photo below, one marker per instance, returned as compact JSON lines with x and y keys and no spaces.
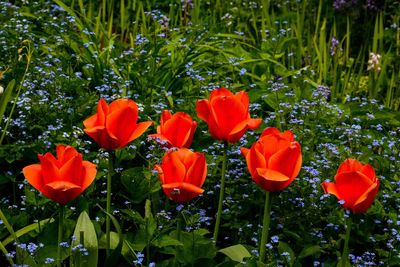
{"x":108,"y":205}
{"x":221,"y":192}
{"x":60,"y":233}
{"x":265,"y":228}
{"x":345,"y":255}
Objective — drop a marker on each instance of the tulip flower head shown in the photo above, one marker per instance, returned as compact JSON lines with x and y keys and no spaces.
{"x":355,"y":185}
{"x":274,"y":160}
{"x":226,"y":114}
{"x":175,"y":130}
{"x":182,"y":173}
{"x":61,"y":178}
{"x":115,"y":125}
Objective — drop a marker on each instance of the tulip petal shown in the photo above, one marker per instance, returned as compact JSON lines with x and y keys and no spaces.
{"x":349,"y":165}
{"x":102,"y":137}
{"x":181,"y":192}
{"x":61,"y":192}
{"x":203,"y":109}
{"x":227,"y":113}
{"x":287,"y":161}
{"x":50,"y":171}
{"x":139,"y":130}
{"x":160,"y":171}
{"x":220,"y":92}
{"x":254,"y":123}
{"x":197,"y":172}
{"x":173,"y":168}
{"x":165,"y":115}
{"x":330,"y":188}
{"x":272,"y":175}
{"x":270,"y":130}
{"x":121,"y":123}
{"x":71,"y":171}
{"x":255,"y":160}
{"x":124,"y":103}
{"x":244,"y":151}
{"x":99,"y":118}
{"x":88,"y":174}
{"x":177,"y":129}
{"x":243,"y":97}
{"x":365,"y":201}
{"x":351,"y":186}
{"x":271,"y":180}
{"x":33,"y":174}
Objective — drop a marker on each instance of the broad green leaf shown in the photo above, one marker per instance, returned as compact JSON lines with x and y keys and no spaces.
{"x":85,"y":228}
{"x":236,"y":253}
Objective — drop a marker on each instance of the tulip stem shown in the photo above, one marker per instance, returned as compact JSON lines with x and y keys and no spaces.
{"x":266,"y":221}
{"x":221,"y":192}
{"x":345,"y":255}
{"x":108,"y":207}
{"x":179,"y":226}
{"x":60,"y":232}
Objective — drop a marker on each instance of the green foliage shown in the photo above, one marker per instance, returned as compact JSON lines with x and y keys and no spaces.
{"x":59,"y":57}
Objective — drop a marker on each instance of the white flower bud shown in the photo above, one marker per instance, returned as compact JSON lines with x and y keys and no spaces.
{"x":1,"y":89}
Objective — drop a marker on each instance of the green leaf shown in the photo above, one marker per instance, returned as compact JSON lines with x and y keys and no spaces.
{"x":84,"y":228}
{"x":26,"y":230}
{"x":5,"y":98}
{"x":236,"y":253}
{"x":310,"y":250}
{"x":135,"y":183}
{"x":284,"y":247}
{"x":165,"y":241}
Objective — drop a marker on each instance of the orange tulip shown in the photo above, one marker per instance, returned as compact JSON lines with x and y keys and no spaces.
{"x":175,"y":130}
{"x":355,"y":184}
{"x":226,"y":114}
{"x":115,"y":125}
{"x":182,"y":173}
{"x":61,"y":179}
{"x":274,"y":160}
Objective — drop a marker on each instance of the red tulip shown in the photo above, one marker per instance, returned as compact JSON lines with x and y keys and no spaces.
{"x":226,"y":114}
{"x":61,"y":179}
{"x":274,"y":160}
{"x":176,"y":130}
{"x":355,"y":184}
{"x":182,"y":173}
{"x":115,"y":125}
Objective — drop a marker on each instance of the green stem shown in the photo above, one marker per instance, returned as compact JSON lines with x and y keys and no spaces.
{"x":179,"y":226}
{"x":221,"y":192}
{"x":60,"y":232}
{"x":266,"y":221}
{"x":345,"y":255}
{"x":108,"y":205}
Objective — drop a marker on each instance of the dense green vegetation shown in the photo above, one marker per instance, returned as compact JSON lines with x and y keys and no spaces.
{"x":326,"y":70}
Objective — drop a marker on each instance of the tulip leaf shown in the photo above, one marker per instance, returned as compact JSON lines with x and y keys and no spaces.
{"x":85,"y":229}
{"x":113,"y":258}
{"x":5,"y":98}
{"x":236,"y":253}
{"x":26,"y":230}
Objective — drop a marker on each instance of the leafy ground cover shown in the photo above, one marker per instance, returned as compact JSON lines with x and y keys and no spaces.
{"x":326,"y":70}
